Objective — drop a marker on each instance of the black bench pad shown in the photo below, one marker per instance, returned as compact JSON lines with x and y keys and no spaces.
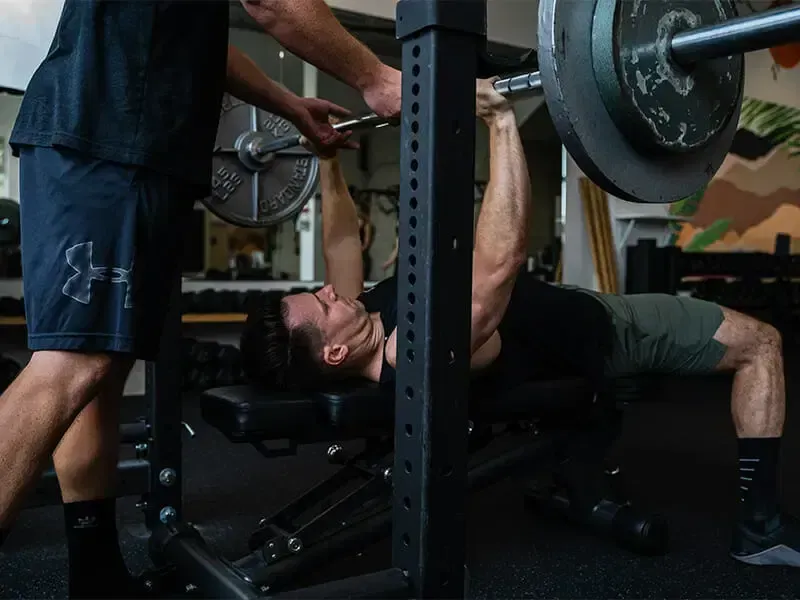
{"x":245,"y":413}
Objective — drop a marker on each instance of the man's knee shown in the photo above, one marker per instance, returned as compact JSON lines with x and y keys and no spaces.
{"x":748,"y":339}
{"x":769,"y":338}
{"x":76,"y":376}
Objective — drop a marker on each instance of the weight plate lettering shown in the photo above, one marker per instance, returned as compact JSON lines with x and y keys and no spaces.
{"x":598,"y":146}
{"x":249,"y":191}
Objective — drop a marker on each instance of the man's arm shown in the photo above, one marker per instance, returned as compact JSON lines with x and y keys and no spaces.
{"x":309,"y":29}
{"x":341,"y":246}
{"x":501,"y":237}
{"x":249,"y":83}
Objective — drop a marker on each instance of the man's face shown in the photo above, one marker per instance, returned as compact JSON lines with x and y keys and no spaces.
{"x":339,"y":319}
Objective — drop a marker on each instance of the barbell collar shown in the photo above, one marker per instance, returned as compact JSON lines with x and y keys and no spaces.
{"x":527,"y":83}
{"x":737,"y":36}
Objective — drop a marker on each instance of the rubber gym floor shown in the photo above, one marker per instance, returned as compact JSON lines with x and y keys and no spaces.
{"x":679,"y":455}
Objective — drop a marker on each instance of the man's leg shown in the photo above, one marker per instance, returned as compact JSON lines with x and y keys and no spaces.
{"x":35,"y":412}
{"x":758,"y":406}
{"x":100,"y":253}
{"x":86,"y":464}
{"x":686,"y":336}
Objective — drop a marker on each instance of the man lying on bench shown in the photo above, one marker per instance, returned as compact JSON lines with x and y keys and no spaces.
{"x":523,"y":328}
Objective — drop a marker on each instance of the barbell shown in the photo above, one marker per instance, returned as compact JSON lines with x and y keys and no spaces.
{"x":644,"y":94}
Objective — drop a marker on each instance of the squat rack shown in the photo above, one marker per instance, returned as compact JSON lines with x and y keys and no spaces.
{"x":444,"y":51}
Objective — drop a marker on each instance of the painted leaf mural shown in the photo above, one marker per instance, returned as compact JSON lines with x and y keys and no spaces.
{"x":756,"y":193}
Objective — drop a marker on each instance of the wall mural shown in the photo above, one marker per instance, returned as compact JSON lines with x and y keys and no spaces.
{"x":756,"y":193}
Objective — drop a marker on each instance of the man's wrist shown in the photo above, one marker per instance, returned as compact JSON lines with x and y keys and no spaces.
{"x":369,"y":78}
{"x":502,"y":120}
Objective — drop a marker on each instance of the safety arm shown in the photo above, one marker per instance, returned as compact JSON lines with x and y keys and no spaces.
{"x":341,"y":246}
{"x":501,"y":237}
{"x":246,"y":81}
{"x":309,"y":29}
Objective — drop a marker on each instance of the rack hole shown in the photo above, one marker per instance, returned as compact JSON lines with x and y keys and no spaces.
{"x":409,"y":395}
{"x":412,"y":259}
{"x":410,"y":355}
{"x":407,"y":503}
{"x":415,"y":126}
{"x":415,"y":108}
{"x":412,"y":241}
{"x":412,"y":279}
{"x":406,"y":540}
{"x":413,"y":202}
{"x":414,"y":164}
{"x":413,"y":222}
{"x":409,"y":430}
{"x":414,"y":145}
{"x":414,"y":50}
{"x":411,"y":317}
{"x":410,"y":336}
{"x":415,"y":70}
{"x":408,"y":466}
{"x":411,"y":298}
{"x":414,"y":183}
{"x":415,"y":89}
{"x":447,"y":470}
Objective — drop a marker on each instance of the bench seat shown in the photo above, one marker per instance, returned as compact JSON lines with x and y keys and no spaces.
{"x":245,"y":413}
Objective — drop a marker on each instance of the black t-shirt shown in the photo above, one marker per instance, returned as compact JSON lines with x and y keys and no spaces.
{"x":132,"y":81}
{"x":547,"y":332}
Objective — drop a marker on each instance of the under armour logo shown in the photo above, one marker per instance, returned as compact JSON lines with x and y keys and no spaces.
{"x":79,"y":285}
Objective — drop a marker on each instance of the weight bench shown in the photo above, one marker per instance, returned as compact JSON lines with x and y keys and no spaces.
{"x":351,"y":509}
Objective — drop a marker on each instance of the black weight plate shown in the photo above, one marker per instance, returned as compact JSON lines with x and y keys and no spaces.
{"x":598,"y":146}
{"x":250,"y":193}
{"x":660,"y":105}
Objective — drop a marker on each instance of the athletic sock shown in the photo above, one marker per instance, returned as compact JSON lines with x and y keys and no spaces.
{"x":96,"y":566}
{"x":758,"y":478}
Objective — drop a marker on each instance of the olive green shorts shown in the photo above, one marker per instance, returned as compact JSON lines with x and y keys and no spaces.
{"x":659,"y":333}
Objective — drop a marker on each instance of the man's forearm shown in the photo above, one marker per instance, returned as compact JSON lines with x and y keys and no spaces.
{"x":339,"y":214}
{"x":501,"y":237}
{"x":308,"y":29}
{"x":249,"y":83}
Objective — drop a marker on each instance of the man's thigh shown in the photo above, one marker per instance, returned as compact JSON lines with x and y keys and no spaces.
{"x":100,"y":250}
{"x":659,"y":333}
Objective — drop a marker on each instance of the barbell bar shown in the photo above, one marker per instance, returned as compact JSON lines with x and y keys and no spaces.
{"x":645,"y":95}
{"x":510,"y":86}
{"x":736,"y":36}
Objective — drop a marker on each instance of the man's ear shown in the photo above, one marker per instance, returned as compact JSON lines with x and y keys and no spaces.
{"x":334,"y":355}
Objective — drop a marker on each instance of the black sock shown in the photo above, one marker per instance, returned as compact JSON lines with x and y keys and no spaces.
{"x":758,"y":478}
{"x":96,"y":566}
{"x":3,"y":536}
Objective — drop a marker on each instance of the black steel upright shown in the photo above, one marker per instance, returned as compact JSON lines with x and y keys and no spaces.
{"x":441,"y":42}
{"x":163,"y":391}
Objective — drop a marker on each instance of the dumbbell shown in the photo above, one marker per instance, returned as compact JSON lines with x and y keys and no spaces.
{"x":228,"y":355}
{"x":631,"y":529}
{"x":203,"y":353}
{"x":189,"y":303}
{"x":226,"y":375}
{"x":200,"y":378}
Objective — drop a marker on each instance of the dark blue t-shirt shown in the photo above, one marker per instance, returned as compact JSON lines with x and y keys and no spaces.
{"x":132,"y":81}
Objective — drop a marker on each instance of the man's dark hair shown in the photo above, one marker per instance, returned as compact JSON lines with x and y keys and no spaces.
{"x":275,"y":356}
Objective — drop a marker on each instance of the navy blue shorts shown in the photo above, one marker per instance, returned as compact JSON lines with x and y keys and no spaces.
{"x":100,"y":251}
